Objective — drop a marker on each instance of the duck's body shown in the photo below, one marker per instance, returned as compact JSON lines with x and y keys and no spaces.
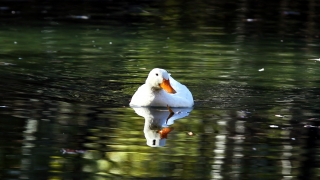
{"x":161,"y":90}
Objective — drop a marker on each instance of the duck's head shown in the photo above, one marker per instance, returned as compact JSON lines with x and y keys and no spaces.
{"x":159,"y":79}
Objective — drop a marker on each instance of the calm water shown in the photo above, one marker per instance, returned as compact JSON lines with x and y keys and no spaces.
{"x":68,"y":73}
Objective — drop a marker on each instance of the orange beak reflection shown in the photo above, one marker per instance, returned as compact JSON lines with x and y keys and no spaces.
{"x":167,"y":87}
{"x":164,"y":132}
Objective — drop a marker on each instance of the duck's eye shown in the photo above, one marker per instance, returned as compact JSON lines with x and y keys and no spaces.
{"x":156,"y":74}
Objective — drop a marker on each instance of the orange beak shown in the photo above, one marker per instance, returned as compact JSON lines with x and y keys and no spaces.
{"x":167,"y":87}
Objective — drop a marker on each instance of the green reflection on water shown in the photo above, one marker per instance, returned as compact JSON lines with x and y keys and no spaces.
{"x":49,"y":67}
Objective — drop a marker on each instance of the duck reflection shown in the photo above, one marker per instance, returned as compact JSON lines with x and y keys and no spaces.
{"x":157,"y":122}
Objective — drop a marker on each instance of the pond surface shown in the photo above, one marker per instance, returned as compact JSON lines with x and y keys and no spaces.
{"x":68,"y":74}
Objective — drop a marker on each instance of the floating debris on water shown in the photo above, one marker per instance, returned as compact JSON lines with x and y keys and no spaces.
{"x":72,"y":151}
{"x":190,"y":133}
{"x":278,"y":115}
{"x":273,"y":126}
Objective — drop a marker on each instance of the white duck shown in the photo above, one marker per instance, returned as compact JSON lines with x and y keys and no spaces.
{"x":161,"y":90}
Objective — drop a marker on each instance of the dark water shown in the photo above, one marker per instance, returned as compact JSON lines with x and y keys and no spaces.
{"x":68,"y":73}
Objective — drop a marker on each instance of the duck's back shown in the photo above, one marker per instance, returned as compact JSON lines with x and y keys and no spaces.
{"x":182,"y":93}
